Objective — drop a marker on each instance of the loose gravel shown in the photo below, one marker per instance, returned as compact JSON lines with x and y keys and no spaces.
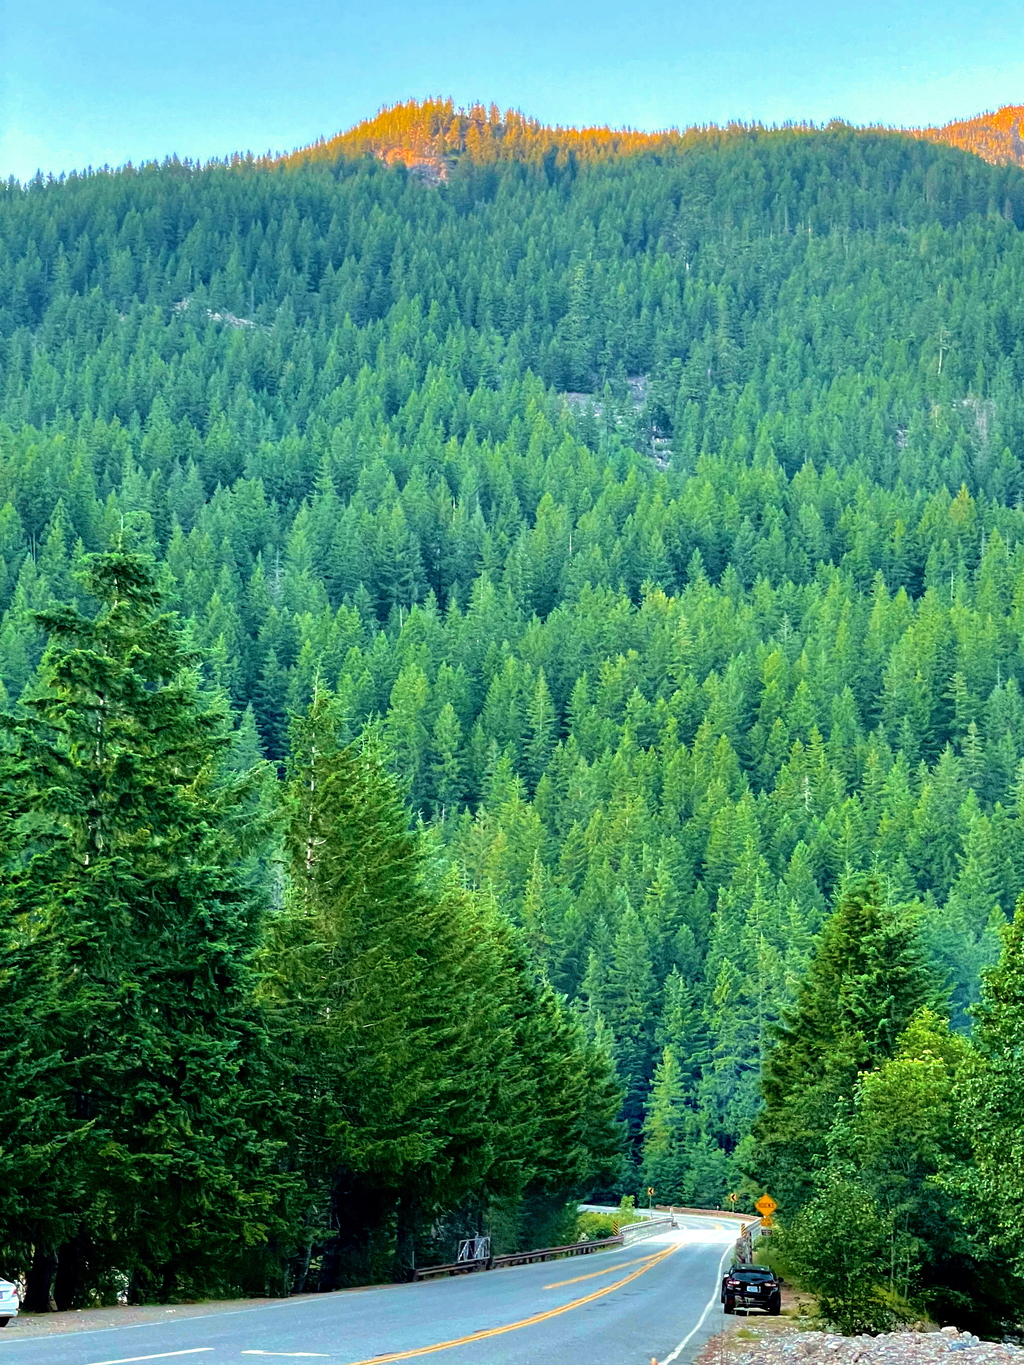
{"x":889,"y":1348}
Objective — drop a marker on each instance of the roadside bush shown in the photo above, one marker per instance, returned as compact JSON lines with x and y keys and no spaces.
{"x":593,"y":1226}
{"x":837,"y":1247}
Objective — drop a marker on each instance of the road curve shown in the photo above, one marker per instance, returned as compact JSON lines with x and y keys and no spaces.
{"x":657,"y":1298}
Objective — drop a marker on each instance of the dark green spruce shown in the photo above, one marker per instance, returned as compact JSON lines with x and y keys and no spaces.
{"x":147,"y":1139}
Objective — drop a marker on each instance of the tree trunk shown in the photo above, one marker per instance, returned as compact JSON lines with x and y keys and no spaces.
{"x":138,"y":1284}
{"x":354,"y":1254}
{"x":300,"y":1269}
{"x":405,"y":1240}
{"x":39,"y":1281}
{"x":67,"y":1285}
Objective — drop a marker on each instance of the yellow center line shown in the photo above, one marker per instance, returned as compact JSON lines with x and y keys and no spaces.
{"x":523,"y":1322}
{"x":608,"y":1270}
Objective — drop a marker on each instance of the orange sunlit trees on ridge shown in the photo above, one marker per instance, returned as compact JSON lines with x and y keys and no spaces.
{"x":994,"y":137}
{"x":435,"y":131}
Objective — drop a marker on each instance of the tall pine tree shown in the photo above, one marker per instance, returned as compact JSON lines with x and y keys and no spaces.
{"x":128,"y":983}
{"x":865,"y":983}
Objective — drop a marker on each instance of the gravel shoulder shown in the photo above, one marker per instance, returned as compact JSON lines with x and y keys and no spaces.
{"x":34,"y":1325}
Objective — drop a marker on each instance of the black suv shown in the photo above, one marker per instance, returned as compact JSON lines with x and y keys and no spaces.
{"x":752,"y":1286}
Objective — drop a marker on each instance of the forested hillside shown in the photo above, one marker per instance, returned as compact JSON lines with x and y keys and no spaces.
{"x":658,"y":509}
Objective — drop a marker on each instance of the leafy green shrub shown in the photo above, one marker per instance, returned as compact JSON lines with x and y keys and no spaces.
{"x":594,"y":1226}
{"x":837,"y":1246}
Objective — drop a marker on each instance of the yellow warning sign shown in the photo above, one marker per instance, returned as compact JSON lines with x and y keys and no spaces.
{"x":766,"y":1205}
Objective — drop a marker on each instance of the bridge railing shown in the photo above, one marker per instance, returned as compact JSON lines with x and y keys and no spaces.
{"x":430,"y":1272}
{"x":646,"y":1227}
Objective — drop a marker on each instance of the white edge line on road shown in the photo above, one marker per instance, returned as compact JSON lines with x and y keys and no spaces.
{"x":710,"y":1304}
{"x":292,"y":1355}
{"x":160,"y":1355}
{"x":297,"y":1301}
{"x":197,"y":1317}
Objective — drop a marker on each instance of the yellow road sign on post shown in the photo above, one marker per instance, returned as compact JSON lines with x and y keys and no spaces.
{"x":766,"y":1206}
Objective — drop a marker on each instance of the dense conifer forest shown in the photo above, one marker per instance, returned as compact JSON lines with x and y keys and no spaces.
{"x":591,"y":560}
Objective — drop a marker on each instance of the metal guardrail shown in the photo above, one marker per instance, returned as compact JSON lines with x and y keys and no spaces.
{"x":615,"y":1210}
{"x":744,"y":1246}
{"x":647,"y":1227}
{"x":431,"y":1272}
{"x":706,"y":1213}
{"x":551,"y":1253}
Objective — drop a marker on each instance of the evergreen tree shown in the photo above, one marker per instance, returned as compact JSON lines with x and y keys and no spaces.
{"x":627,"y":1005}
{"x":413,"y":1025}
{"x":406,"y":506}
{"x":990,"y":1099}
{"x":865,"y":982}
{"x":666,"y":1149}
{"x":154,"y":1078}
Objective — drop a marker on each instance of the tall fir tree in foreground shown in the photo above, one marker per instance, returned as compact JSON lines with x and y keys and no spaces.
{"x":434,"y":1071}
{"x":991,"y":1112}
{"x":145,"y":1134}
{"x":865,"y":983}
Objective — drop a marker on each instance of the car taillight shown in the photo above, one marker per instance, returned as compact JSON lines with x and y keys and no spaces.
{"x":732,"y":1284}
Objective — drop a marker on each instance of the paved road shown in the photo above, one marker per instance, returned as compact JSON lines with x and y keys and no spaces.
{"x":618,"y":1307}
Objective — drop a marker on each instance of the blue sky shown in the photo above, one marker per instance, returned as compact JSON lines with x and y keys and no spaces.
{"x":88,"y":82}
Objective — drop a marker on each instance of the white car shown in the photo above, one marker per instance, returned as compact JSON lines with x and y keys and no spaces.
{"x":9,"y":1302}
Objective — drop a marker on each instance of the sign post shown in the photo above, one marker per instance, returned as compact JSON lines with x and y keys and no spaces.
{"x":766,"y":1206}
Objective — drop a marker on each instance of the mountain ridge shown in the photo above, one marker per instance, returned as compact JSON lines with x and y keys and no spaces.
{"x":429,"y":135}
{"x":995,"y":136}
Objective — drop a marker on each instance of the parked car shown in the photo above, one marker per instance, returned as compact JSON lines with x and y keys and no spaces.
{"x":9,"y":1302}
{"x":752,"y":1286}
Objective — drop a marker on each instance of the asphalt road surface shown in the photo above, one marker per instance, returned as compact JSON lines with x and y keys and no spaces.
{"x":657,"y":1298}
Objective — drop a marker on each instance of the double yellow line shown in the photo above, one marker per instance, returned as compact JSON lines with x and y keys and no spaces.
{"x":608,"y":1270}
{"x":652,"y":1261}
